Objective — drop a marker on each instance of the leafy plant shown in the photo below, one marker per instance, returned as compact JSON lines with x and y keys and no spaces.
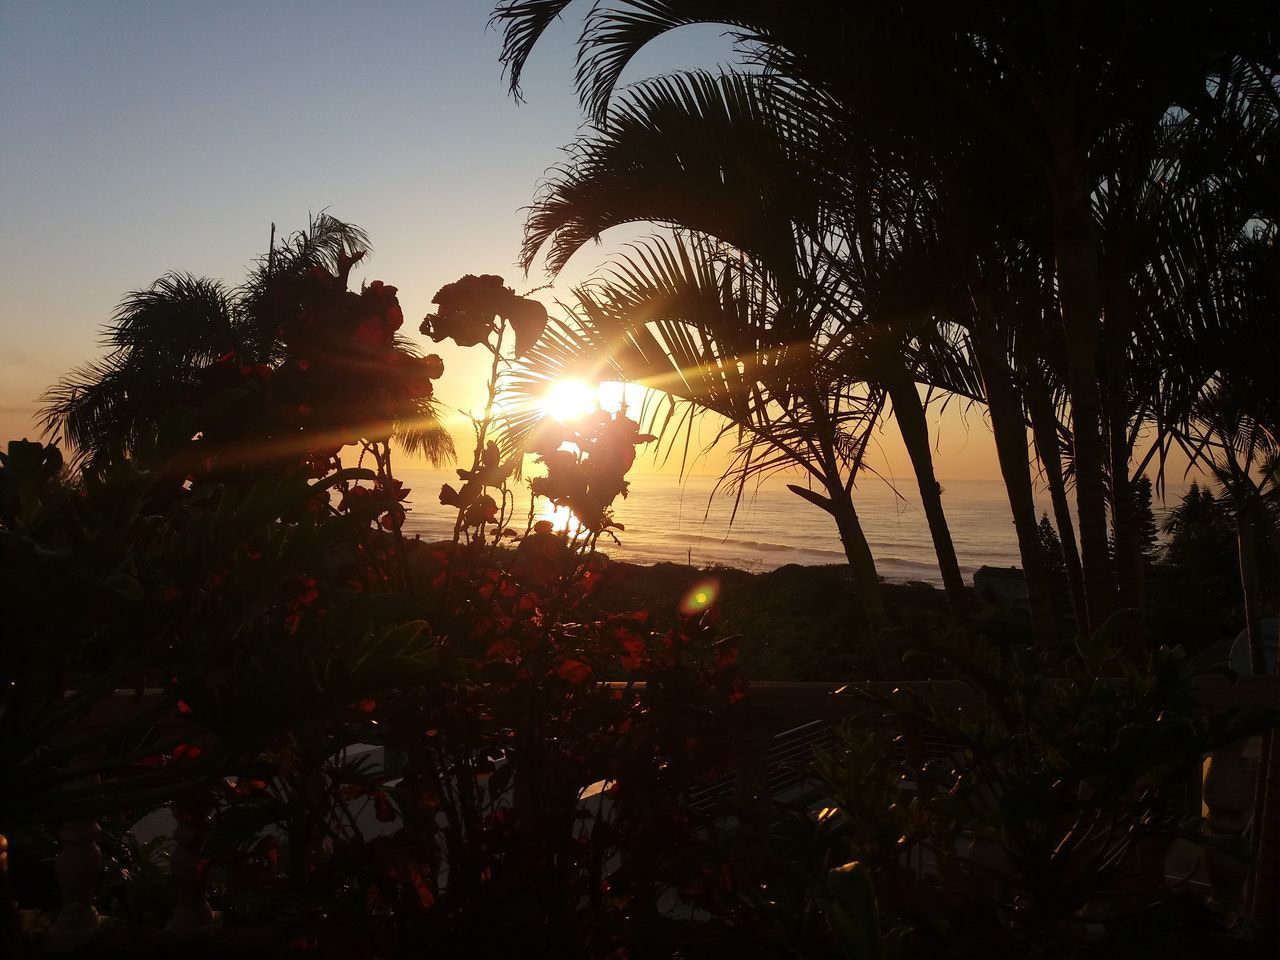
{"x":997,"y":812}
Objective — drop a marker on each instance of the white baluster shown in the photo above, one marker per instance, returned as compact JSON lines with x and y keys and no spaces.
{"x":192,"y":915}
{"x":1226,"y":796}
{"x":79,"y":865}
{"x":9,"y":919}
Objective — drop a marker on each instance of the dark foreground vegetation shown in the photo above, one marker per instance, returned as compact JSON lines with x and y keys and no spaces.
{"x":374,"y":747}
{"x":504,"y":743}
{"x":802,"y":623}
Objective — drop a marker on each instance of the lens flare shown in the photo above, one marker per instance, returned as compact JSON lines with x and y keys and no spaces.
{"x":701,"y":596}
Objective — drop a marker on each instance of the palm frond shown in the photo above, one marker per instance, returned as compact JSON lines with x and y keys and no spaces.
{"x":161,"y":337}
{"x":180,"y":319}
{"x":709,"y":328}
{"x":523,"y":23}
{"x":613,"y":34}
{"x":102,"y":409}
{"x":423,"y":435}
{"x":716,"y":154}
{"x":157,"y":339}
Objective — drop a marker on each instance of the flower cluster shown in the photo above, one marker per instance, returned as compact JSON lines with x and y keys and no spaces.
{"x":469,"y":306}
{"x":387,"y":497}
{"x":345,"y":369}
{"x":589,"y":479}
{"x":475,"y":506}
{"x":523,"y":762}
{"x":343,"y":374}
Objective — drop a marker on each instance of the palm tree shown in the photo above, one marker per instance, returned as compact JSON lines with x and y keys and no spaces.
{"x":1047,"y":83}
{"x":726,"y":156}
{"x":162,"y":337}
{"x":715,"y":329}
{"x":158,"y":338}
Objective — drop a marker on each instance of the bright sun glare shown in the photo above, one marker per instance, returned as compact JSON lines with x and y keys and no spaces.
{"x":569,"y":399}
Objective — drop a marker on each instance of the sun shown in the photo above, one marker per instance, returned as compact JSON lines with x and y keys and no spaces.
{"x":567,"y":400}
{"x":571,"y":398}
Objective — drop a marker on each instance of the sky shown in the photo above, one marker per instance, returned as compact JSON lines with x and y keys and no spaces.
{"x":143,"y":136}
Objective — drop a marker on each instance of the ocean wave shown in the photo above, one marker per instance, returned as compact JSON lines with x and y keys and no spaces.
{"x":931,"y":565}
{"x":669,"y":521}
{"x":765,"y":546}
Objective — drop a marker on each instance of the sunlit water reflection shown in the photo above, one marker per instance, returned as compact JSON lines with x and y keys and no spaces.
{"x":679,"y":521}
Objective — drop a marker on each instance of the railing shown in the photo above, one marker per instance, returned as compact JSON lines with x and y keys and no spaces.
{"x":777,"y":726}
{"x":781,"y":718}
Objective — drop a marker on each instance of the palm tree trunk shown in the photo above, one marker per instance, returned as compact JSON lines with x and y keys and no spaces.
{"x":1044,"y":426}
{"x":1247,"y":557}
{"x":840,"y":505}
{"x":858,"y":552}
{"x":909,"y":413}
{"x":1266,"y":805}
{"x":1076,"y":252}
{"x":1124,"y":520}
{"x":862,"y":564}
{"x":1004,"y":403}
{"x":1264,"y":901}
{"x":1117,"y":305}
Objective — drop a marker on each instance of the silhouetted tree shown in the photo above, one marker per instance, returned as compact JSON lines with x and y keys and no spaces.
{"x":1039,"y":108}
{"x":724,"y":157}
{"x":164,"y":340}
{"x":1054,"y":565}
{"x":718,"y":329}
{"x":1148,"y":534}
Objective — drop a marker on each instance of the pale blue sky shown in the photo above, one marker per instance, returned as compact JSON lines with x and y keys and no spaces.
{"x":138,"y":137}
{"x":141,"y":136}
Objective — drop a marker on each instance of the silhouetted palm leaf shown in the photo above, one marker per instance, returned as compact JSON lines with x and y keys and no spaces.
{"x":161,"y":337}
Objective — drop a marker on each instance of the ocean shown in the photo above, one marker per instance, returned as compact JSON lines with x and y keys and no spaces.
{"x":676,"y":520}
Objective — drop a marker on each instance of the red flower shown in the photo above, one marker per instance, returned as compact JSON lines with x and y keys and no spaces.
{"x":425,"y":897}
{"x":370,"y":332}
{"x":245,"y":786}
{"x":573,"y":671}
{"x":483,"y":510}
{"x":381,"y":299}
{"x":382,"y":807}
{"x":414,"y":374}
{"x":393,"y":519}
{"x":467,"y":309}
{"x":504,"y":649}
{"x":469,"y":305}
{"x":634,"y":655}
